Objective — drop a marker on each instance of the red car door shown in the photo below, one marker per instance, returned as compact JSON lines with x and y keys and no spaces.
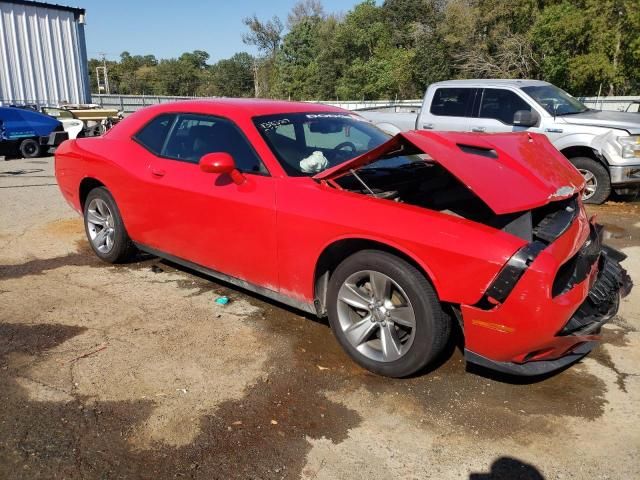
{"x":206,"y":218}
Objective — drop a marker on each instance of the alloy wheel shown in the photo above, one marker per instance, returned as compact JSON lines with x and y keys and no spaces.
{"x":376,"y":316}
{"x":591,"y":184}
{"x":101,"y":225}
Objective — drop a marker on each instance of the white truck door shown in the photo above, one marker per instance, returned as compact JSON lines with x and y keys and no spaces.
{"x":447,"y":109}
{"x":497,"y":107}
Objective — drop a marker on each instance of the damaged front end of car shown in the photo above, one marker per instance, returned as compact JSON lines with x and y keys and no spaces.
{"x":544,"y":308}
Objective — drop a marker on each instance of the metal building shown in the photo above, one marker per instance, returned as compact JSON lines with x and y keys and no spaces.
{"x":43,"y":54}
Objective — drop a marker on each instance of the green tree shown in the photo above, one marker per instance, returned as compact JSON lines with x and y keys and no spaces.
{"x":304,"y":10}
{"x":589,"y":46}
{"x":233,"y":77}
{"x":416,"y":25}
{"x":396,"y":48}
{"x":266,"y":36}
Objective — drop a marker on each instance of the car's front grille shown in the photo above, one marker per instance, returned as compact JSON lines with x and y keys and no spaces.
{"x":577,"y":268}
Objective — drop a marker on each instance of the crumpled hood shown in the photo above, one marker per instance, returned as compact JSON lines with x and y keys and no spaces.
{"x":597,"y":118}
{"x":510,"y":172}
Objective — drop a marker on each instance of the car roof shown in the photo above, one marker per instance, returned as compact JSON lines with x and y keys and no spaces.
{"x":25,"y":111}
{"x":497,"y":82}
{"x":247,"y":106}
{"x":239,"y":110}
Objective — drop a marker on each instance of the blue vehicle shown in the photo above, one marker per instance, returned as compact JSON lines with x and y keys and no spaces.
{"x":28,"y":133}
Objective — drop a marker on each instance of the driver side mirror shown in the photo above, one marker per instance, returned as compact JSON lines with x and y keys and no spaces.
{"x":221,"y":162}
{"x":525,"y":118}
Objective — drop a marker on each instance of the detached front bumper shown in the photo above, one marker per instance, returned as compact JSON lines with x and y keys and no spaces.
{"x":553,"y":314}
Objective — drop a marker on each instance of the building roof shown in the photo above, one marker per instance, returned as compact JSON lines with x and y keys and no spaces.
{"x":51,"y":6}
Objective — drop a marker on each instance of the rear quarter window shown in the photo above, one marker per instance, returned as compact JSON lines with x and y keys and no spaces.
{"x":153,"y":135}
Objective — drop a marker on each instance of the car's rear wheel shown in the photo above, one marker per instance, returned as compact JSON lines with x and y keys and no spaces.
{"x":105,"y":229}
{"x":597,"y":182}
{"x":30,"y":148}
{"x":386,"y":314}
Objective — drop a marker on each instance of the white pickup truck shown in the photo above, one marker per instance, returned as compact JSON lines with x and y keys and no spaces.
{"x":603,"y":145}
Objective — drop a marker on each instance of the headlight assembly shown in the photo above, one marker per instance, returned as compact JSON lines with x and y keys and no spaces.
{"x":630,"y":146}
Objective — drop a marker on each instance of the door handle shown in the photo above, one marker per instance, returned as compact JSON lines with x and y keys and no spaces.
{"x":157,"y":172}
{"x":478,"y":129}
{"x":428,"y":126}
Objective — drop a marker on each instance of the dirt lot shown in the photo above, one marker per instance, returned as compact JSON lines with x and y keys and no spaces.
{"x":135,"y":372}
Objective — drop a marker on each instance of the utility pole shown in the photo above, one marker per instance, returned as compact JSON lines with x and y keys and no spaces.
{"x":103,"y":86}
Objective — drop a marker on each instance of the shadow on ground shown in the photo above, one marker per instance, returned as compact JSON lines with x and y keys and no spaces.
{"x":507,"y":468}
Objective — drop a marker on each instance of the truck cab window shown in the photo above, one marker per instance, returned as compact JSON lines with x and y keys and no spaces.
{"x":501,"y":105}
{"x":452,"y":102}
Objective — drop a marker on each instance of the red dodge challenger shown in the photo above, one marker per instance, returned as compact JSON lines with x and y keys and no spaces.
{"x":396,"y":239}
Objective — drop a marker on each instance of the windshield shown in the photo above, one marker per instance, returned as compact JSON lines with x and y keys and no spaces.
{"x":554,"y":100}
{"x":308,"y":143}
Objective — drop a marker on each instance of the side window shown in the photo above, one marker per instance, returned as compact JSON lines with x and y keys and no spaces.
{"x":452,"y":102}
{"x":154,"y":133}
{"x":501,"y":105}
{"x":193,"y":136}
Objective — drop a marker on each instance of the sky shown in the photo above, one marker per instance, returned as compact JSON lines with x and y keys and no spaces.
{"x":169,"y":28}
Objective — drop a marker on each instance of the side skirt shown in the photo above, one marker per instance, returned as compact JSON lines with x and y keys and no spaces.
{"x":265,"y":292}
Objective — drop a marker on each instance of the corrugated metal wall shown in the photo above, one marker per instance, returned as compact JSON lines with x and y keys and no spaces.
{"x":42,"y":55}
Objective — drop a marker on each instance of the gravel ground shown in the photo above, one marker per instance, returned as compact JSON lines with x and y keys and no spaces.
{"x":135,"y":372}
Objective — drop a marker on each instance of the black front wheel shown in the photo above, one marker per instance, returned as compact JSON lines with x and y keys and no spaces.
{"x":30,"y":148}
{"x":597,"y":181}
{"x":385,"y":314}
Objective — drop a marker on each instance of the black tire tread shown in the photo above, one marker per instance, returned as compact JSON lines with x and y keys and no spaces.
{"x":602,"y":175}
{"x":23,"y":144}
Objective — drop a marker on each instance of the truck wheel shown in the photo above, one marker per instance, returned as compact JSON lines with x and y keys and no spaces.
{"x":29,"y":148}
{"x":596,"y":176}
{"x":385,"y":314}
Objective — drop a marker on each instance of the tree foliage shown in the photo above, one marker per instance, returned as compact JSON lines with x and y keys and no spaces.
{"x":396,"y":48}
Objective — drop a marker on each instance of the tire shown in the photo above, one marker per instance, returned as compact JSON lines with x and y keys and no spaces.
{"x":415,"y":346}
{"x":596,"y":175}
{"x":104,"y":227}
{"x":30,"y":148}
